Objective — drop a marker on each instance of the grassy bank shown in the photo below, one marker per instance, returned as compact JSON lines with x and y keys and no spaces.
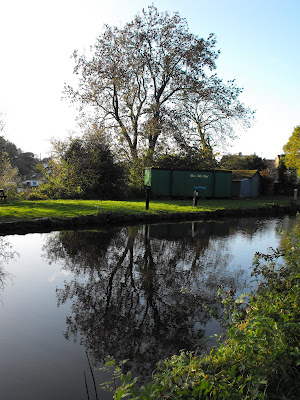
{"x":64,"y":209}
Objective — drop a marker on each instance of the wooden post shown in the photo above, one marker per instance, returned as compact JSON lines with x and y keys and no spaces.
{"x":195,"y":198}
{"x":147,"y":197}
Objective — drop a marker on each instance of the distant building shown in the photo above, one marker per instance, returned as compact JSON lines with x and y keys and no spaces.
{"x":271,"y":164}
{"x":278,"y":159}
{"x":30,"y":183}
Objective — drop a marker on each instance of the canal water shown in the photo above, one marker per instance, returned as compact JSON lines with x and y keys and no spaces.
{"x":70,"y":298}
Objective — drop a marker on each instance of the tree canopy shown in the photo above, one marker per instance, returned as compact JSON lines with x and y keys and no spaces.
{"x":292,"y":150}
{"x":150,"y":80}
{"x":212,"y":111}
{"x":239,"y":162}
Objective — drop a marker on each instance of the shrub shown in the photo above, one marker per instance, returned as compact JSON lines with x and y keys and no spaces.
{"x":84,"y":168}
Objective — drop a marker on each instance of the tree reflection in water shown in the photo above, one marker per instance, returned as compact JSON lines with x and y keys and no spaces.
{"x":127,"y":293}
{"x":6,"y":254}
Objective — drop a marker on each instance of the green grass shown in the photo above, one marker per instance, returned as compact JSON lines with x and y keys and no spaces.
{"x":30,"y":210}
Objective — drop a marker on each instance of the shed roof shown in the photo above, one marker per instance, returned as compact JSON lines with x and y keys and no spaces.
{"x":239,"y":175}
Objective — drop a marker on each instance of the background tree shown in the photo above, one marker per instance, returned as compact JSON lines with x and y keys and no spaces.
{"x":191,"y":159}
{"x":2,"y":124}
{"x":292,"y":150}
{"x":8,"y":174}
{"x":287,"y":178}
{"x":239,"y":162}
{"x":25,"y":162}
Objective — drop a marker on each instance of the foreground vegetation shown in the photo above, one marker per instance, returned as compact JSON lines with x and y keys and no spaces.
{"x":260,"y":358}
{"x":62,"y":209}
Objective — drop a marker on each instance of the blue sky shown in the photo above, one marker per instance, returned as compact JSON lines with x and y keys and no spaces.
{"x":259,"y":42}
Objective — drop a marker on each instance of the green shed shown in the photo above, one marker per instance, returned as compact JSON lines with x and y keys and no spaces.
{"x":182,"y":183}
{"x":185,"y":182}
{"x":160,"y":181}
{"x":223,"y":183}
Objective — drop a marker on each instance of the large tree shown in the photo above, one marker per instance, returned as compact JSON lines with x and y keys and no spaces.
{"x":148,"y":81}
{"x":292,"y":150}
{"x":136,"y":76}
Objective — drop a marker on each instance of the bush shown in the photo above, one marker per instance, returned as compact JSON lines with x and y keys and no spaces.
{"x":84,"y":168}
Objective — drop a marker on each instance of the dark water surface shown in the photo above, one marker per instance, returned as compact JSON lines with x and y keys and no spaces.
{"x":136,"y":292}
